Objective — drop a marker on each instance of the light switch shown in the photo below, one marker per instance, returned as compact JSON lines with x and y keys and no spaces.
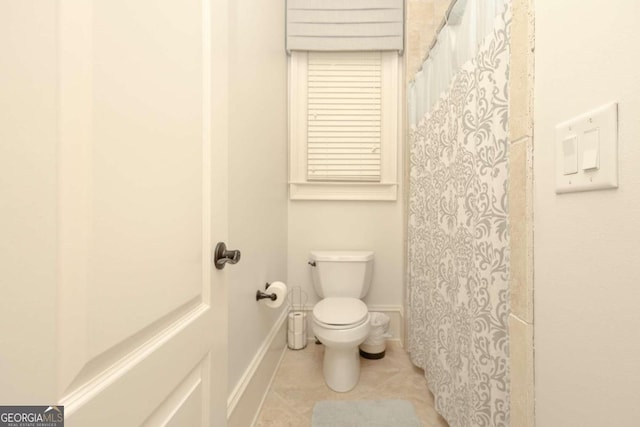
{"x":570,"y":151}
{"x":586,"y":151}
{"x":591,"y":149}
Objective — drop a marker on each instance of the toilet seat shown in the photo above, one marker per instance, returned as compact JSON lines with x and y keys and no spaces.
{"x":339,"y":327}
{"x":340,"y":313}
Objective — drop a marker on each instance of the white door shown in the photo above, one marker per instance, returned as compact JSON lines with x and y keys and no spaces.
{"x":112,"y":113}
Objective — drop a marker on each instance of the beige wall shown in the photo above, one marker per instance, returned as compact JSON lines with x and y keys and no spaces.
{"x":257,"y":172}
{"x":349,"y":225}
{"x":587,"y":245}
{"x":373,"y":226}
{"x":353,"y":225}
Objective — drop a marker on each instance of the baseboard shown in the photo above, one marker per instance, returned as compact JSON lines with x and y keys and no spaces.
{"x":245,"y":401}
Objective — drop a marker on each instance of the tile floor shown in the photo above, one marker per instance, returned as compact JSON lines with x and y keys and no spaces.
{"x":298,"y":384}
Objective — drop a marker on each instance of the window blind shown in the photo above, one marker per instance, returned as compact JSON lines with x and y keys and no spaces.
{"x":336,"y":25}
{"x":344,"y":116}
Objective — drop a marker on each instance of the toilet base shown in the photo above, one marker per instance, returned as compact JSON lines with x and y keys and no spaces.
{"x":341,"y":367}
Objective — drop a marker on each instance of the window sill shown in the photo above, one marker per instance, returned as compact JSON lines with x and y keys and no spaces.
{"x":343,"y":191}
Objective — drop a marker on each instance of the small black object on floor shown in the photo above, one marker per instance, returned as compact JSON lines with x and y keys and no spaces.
{"x":372,"y":356}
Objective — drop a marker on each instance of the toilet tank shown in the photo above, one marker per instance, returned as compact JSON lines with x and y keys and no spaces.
{"x":341,"y":273}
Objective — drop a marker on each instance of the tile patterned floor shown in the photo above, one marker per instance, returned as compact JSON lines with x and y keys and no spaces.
{"x":299,"y":384}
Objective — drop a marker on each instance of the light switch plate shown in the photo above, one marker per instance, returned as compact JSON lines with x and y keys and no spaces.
{"x":597,"y":150}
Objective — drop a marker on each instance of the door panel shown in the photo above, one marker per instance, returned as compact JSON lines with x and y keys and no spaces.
{"x":147,"y":174}
{"x":179,"y":409}
{"x":134,"y":336}
{"x":139,"y":207}
{"x":135,"y":387}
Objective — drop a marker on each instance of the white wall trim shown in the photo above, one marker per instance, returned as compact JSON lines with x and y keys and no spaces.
{"x":236,"y":396}
{"x":268,"y":387}
{"x":343,"y":191}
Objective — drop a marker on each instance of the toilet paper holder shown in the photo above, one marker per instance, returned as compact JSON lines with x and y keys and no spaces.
{"x":263,"y":295}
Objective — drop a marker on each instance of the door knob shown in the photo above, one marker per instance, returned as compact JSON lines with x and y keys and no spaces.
{"x":221,"y":256}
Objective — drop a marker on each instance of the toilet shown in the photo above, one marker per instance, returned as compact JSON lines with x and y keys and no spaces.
{"x":341,"y":319}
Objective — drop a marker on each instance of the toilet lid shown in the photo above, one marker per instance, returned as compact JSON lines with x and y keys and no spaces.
{"x":340,"y":311}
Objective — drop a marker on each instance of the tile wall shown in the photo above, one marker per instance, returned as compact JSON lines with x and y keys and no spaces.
{"x":521,"y":213}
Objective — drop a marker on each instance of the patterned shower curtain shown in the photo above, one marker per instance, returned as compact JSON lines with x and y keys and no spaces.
{"x":458,"y":246}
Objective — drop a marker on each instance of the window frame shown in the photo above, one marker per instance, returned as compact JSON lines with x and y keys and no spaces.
{"x":300,"y":188}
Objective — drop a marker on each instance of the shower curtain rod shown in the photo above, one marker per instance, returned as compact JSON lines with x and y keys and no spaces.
{"x":444,"y":21}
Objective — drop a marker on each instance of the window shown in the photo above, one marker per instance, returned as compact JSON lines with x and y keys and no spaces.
{"x":344,"y":93}
{"x":343,"y":119}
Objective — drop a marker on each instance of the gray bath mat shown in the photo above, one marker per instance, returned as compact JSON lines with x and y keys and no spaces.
{"x":364,"y":413}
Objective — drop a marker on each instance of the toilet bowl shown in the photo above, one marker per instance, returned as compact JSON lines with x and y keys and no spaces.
{"x":341,"y":324}
{"x":341,"y":319}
